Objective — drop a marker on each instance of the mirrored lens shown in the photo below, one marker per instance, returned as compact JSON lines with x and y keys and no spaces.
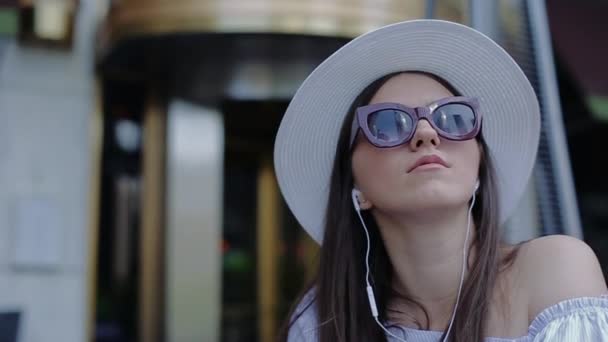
{"x":389,"y":125}
{"x":454,"y":118}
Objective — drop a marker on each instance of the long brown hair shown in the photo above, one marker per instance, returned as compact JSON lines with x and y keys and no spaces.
{"x":339,"y":286}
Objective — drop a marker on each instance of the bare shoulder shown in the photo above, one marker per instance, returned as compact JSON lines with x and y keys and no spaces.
{"x":558,"y":267}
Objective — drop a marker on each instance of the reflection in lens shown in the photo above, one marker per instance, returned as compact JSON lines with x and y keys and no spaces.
{"x":389,"y":125}
{"x":454,"y":118}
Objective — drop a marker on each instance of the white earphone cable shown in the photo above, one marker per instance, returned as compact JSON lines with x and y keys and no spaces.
{"x":370,"y":291}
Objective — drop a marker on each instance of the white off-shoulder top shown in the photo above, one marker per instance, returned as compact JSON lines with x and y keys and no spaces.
{"x":572,"y":320}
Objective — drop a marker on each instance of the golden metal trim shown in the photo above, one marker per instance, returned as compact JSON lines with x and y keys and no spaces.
{"x":151,"y":294}
{"x":267,"y":246}
{"x":96,"y":146}
{"x":324,"y":18}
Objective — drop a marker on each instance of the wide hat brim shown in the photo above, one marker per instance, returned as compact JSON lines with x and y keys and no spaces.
{"x":474,"y":64}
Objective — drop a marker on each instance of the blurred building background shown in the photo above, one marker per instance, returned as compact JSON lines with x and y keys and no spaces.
{"x":138,"y":200}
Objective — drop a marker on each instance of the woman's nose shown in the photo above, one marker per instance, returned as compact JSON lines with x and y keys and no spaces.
{"x":425,"y":135}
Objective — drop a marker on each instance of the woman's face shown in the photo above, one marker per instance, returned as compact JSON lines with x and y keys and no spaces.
{"x":384,"y":175}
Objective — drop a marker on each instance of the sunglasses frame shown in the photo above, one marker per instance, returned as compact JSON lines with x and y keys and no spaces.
{"x":417,"y":114}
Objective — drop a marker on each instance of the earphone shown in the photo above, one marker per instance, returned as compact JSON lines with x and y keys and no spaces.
{"x":355,"y":195}
{"x":370,"y":292}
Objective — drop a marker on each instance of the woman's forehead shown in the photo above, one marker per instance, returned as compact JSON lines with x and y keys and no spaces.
{"x":411,"y":89}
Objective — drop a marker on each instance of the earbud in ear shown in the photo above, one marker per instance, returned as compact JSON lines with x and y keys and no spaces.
{"x":477,"y":185}
{"x":355,"y":197}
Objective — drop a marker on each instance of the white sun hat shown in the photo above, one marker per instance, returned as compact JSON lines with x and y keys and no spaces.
{"x":474,"y":64}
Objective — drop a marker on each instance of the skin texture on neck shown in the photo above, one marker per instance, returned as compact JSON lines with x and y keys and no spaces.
{"x":426,"y":253}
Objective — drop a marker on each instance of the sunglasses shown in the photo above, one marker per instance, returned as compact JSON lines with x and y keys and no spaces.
{"x":392,"y":124}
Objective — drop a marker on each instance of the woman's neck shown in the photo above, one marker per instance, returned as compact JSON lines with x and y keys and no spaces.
{"x":426,"y":254}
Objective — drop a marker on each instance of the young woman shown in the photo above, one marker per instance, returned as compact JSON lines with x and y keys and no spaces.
{"x":402,"y":154}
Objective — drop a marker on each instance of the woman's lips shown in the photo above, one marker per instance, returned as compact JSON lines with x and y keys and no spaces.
{"x":428,"y":167}
{"x":428,"y":162}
